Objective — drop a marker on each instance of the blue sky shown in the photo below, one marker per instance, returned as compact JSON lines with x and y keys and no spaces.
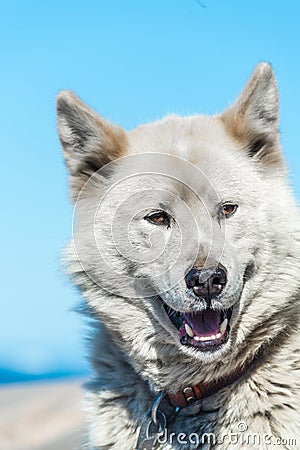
{"x":133,"y":62}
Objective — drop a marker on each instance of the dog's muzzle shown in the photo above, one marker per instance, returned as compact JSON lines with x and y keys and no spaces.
{"x":207,"y":329}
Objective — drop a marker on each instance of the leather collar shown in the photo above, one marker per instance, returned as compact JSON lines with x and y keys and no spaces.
{"x":190,"y":394}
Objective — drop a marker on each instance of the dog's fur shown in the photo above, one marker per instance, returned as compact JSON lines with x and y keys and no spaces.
{"x":136,"y":352}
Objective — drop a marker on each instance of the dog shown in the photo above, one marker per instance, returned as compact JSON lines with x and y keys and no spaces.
{"x":186,"y":249}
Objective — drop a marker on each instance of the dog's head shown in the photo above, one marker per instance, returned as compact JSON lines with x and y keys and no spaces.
{"x":179,"y":224}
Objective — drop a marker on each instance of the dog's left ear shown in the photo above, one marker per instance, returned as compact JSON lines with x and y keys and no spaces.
{"x":253,"y":119}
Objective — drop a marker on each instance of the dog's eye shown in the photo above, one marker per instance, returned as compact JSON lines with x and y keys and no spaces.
{"x":159,"y":218}
{"x":227,"y":210}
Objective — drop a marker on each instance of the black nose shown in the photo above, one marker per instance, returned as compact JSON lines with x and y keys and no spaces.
{"x":206,"y":283}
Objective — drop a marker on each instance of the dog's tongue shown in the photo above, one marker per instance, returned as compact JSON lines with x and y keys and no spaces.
{"x":205,"y":323}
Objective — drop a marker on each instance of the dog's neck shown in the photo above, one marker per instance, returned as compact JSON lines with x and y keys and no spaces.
{"x":190,"y":394}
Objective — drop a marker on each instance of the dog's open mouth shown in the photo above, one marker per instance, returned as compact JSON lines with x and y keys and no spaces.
{"x":206,"y":330}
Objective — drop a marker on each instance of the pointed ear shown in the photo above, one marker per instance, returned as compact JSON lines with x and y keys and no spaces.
{"x":88,"y":141}
{"x":253,"y":119}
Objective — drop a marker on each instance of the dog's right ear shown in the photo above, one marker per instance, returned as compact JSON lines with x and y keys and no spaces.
{"x":88,"y":141}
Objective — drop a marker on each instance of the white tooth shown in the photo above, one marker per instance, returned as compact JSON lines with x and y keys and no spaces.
{"x":208,"y":338}
{"x":223,"y":326}
{"x":189,"y":330}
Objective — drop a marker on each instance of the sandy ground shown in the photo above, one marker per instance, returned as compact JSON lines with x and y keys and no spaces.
{"x":41,"y":416}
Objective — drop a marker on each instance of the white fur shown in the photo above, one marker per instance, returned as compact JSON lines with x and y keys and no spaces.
{"x":190,"y":164}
